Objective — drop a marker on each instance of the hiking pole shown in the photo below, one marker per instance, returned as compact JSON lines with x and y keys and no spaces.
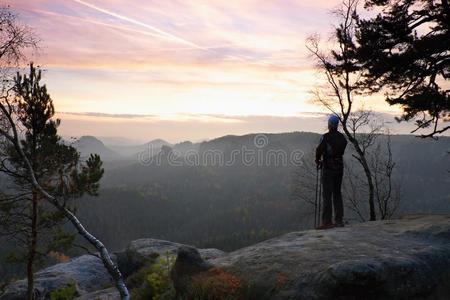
{"x":319,"y":175}
{"x":315,"y":201}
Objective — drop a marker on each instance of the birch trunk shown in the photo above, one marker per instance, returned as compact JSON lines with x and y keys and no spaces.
{"x":110,"y":266}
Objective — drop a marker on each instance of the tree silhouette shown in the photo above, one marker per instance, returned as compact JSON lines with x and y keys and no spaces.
{"x":405,"y":50}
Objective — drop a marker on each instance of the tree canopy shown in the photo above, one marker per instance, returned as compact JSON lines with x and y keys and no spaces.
{"x":405,"y":50}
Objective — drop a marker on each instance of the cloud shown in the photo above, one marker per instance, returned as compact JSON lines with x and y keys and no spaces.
{"x":162,"y":33}
{"x":93,"y":21}
{"x":105,"y":115}
{"x":176,"y":128}
{"x":184,"y":117}
{"x":246,"y":32}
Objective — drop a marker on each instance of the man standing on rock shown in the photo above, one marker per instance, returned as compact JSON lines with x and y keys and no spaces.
{"x":329,"y":158}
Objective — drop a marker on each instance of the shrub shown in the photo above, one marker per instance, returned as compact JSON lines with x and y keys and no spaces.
{"x":217,"y":284}
{"x":153,"y":281}
{"x":66,"y":293}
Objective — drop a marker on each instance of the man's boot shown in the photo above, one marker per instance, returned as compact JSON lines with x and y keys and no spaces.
{"x":325,"y":225}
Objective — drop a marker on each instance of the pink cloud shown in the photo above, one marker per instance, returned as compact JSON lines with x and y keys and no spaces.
{"x":178,"y":57}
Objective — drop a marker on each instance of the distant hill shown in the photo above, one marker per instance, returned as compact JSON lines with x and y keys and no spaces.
{"x":87,"y":145}
{"x":132,"y":151}
{"x":117,"y":140}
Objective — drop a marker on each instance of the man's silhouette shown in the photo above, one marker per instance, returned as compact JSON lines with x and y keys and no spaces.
{"x":329,"y":157}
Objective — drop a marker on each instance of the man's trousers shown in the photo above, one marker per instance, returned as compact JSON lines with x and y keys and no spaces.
{"x":332,"y":196}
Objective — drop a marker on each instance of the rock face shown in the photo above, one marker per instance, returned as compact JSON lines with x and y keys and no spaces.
{"x":141,"y":251}
{"x":153,"y":247}
{"x":89,"y":275}
{"x":86,"y":272}
{"x":407,"y":258}
{"x":188,"y":264}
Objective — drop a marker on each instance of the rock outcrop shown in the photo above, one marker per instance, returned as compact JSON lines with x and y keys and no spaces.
{"x":86,"y":272}
{"x":139,"y":252}
{"x":189,"y":263}
{"x":408,"y":258}
{"x":90,"y":277}
{"x":152,"y":247}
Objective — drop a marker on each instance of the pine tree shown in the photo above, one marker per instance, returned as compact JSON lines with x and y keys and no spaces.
{"x":48,"y":174}
{"x":57,"y":167}
{"x":405,"y":51}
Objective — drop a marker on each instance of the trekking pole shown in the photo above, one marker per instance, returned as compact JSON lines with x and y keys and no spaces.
{"x":315,"y":201}
{"x":319,"y":172}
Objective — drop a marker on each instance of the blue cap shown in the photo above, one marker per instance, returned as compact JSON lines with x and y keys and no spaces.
{"x":333,"y":121}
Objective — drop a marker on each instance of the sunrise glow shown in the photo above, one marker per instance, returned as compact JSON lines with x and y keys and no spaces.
{"x":184,"y":61}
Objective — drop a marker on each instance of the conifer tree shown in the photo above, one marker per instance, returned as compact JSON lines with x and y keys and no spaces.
{"x":405,"y":52}
{"x":48,"y":174}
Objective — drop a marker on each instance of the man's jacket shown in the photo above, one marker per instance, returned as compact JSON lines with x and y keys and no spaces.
{"x":331,"y":148}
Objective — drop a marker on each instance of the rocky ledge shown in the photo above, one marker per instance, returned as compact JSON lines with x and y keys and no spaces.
{"x":407,"y":258}
{"x":88,"y":275}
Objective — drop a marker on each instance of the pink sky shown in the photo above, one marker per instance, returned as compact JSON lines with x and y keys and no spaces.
{"x":200,"y":69}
